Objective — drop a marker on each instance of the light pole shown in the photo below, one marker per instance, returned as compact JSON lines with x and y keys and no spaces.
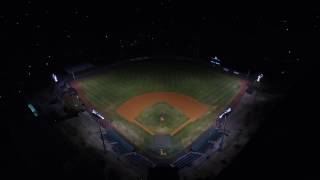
{"x":102,"y":139}
{"x":74,"y":78}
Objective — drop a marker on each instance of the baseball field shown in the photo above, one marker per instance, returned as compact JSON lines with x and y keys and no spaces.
{"x":148,"y":100}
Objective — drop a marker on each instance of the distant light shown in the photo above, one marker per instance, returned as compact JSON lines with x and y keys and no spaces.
{"x":289,"y":52}
{"x":29,"y":66}
{"x":54,"y":77}
{"x":226,"y":69}
{"x":236,"y":72}
{"x":106,"y":36}
{"x":259,"y":77}
{"x":33,"y":110}
{"x":215,"y":58}
{"x":214,"y":62}
{"x":47,"y":64}
{"x":282,"y":72}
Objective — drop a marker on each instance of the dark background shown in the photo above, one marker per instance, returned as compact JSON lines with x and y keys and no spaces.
{"x":40,"y":38}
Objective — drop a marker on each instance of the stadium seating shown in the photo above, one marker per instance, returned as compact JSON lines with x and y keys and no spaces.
{"x":202,"y":143}
{"x":139,"y":160}
{"x":186,"y":160}
{"x":120,"y":145}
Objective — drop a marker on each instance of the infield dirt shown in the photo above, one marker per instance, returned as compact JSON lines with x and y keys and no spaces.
{"x":192,"y":108}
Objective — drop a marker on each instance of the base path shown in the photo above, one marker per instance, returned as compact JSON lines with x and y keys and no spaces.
{"x":132,"y":108}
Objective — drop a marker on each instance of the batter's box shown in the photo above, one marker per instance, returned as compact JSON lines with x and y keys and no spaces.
{"x":162,"y":143}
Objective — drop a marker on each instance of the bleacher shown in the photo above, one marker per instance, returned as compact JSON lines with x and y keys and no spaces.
{"x":186,"y":160}
{"x":139,"y":160}
{"x":202,"y":143}
{"x":119,"y":144}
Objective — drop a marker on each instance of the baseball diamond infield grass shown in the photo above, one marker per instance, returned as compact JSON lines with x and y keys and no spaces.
{"x":162,"y":118}
{"x":109,"y":90}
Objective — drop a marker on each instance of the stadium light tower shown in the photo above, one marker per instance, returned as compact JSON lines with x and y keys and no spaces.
{"x":97,"y":114}
{"x":54,"y":77}
{"x":224,"y":113}
{"x":260,"y":76}
{"x":101,"y":117}
{"x":215,"y":60}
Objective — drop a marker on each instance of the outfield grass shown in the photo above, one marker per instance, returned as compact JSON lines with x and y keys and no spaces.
{"x":109,"y":90}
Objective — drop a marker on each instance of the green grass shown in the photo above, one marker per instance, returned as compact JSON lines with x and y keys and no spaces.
{"x":173,"y":118}
{"x":109,"y":90}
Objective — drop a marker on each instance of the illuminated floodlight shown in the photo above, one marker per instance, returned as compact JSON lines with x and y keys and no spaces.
{"x":54,"y":77}
{"x":33,"y":110}
{"x":215,"y":60}
{"x":225,"y":113}
{"x":97,"y":114}
{"x":236,"y":72}
{"x":226,"y":69}
{"x":259,"y":77}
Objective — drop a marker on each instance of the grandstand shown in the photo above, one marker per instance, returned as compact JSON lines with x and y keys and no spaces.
{"x":119,"y":144}
{"x":199,"y":147}
{"x":204,"y":142}
{"x":186,"y":160}
{"x":139,"y":160}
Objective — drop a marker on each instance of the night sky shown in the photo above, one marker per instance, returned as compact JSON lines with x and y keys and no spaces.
{"x":38,"y":38}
